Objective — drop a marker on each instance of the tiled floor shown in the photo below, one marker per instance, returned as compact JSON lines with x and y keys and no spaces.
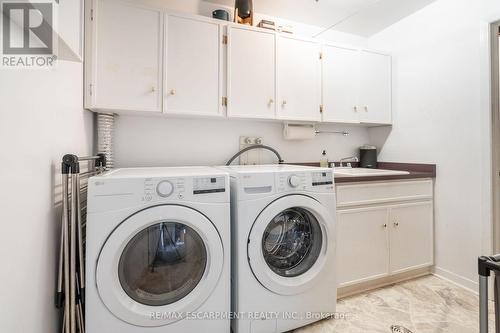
{"x":425,"y":305}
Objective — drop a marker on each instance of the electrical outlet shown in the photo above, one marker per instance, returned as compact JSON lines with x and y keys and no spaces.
{"x":251,"y":157}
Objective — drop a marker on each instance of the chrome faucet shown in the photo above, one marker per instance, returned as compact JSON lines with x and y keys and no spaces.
{"x":349,"y":159}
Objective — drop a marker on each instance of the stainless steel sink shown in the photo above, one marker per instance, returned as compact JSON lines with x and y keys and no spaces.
{"x":365,"y":172}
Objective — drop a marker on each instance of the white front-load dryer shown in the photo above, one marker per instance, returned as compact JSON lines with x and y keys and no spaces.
{"x":157,"y":251}
{"x":283,"y":247}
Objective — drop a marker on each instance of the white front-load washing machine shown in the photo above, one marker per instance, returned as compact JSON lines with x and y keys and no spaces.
{"x":157,"y":251}
{"x":283,"y":247}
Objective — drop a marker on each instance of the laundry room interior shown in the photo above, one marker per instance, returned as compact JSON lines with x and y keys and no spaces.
{"x":250,"y":166}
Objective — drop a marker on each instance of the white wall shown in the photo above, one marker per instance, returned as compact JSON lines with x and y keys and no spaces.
{"x":161,"y":141}
{"x":41,"y":119}
{"x":441,"y":116}
{"x":169,"y":142}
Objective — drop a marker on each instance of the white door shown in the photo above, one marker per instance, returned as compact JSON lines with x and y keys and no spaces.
{"x":340,"y":89}
{"x":251,"y":73}
{"x":193,"y":78}
{"x":299,"y":78}
{"x":164,"y":259}
{"x":376,"y":88}
{"x":411,"y":236}
{"x":362,"y":245}
{"x":128,"y":46}
{"x":289,"y":244}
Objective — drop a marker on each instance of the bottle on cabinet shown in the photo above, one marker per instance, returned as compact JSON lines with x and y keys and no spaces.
{"x":243,"y":12}
{"x":323,"y":162}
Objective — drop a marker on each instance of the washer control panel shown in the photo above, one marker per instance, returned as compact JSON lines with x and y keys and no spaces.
{"x":165,"y":188}
{"x":185,"y":188}
{"x":205,"y":185}
{"x":322,"y":178}
{"x":111,"y":192}
{"x":291,"y":181}
{"x":314,"y":181}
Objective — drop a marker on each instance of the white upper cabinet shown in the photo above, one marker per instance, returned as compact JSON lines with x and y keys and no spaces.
{"x":125,"y":59}
{"x":142,"y":59}
{"x":340,"y":88}
{"x":193,"y":66}
{"x":298,"y":72}
{"x":376,"y":88}
{"x":251,"y":72}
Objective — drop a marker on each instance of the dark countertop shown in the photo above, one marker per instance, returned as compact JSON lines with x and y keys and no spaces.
{"x":415,"y":171}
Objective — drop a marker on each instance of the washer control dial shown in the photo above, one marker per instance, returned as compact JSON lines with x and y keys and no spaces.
{"x":294,"y":181}
{"x":164,"y":188}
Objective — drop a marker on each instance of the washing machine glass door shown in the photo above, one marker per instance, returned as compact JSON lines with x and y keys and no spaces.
{"x":159,"y":264}
{"x":288,"y":244}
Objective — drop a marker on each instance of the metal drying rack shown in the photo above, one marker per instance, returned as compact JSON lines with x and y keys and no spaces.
{"x":486,"y":266}
{"x":70,"y":295}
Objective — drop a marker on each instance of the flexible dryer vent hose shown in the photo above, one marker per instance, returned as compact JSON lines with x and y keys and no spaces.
{"x":105,"y":133}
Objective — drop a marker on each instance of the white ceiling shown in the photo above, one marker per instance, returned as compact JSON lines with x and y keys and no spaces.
{"x":360,"y":17}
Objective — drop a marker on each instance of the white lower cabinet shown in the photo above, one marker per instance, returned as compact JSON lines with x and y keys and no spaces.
{"x":380,"y":240}
{"x":362,"y":251}
{"x":411,"y":240}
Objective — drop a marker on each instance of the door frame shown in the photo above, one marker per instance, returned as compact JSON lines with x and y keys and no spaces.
{"x":495,"y":132}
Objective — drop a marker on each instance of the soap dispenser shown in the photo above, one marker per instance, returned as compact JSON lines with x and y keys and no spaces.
{"x":323,"y":162}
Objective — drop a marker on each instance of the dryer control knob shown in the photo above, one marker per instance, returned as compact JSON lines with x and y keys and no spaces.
{"x":164,"y":188}
{"x":294,"y":181}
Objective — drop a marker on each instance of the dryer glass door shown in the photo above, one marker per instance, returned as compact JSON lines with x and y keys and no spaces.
{"x":158,"y":265}
{"x":162,"y":263}
{"x":290,"y":243}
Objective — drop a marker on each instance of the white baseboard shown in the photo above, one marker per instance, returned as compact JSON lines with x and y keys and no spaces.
{"x":470,"y":285}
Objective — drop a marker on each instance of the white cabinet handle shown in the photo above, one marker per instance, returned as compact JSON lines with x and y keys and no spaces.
{"x":271,"y":102}
{"x":355,"y":109}
{"x":153,"y":90}
{"x":171,"y":92}
{"x":283,"y":104}
{"x":366,"y":108}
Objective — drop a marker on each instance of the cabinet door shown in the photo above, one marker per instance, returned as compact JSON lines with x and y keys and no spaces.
{"x":251,"y":73}
{"x":362,"y":245}
{"x":128,"y":45}
{"x":376,"y":88}
{"x":193,"y":67}
{"x":411,"y":236}
{"x":298,"y":87}
{"x":340,"y":72}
